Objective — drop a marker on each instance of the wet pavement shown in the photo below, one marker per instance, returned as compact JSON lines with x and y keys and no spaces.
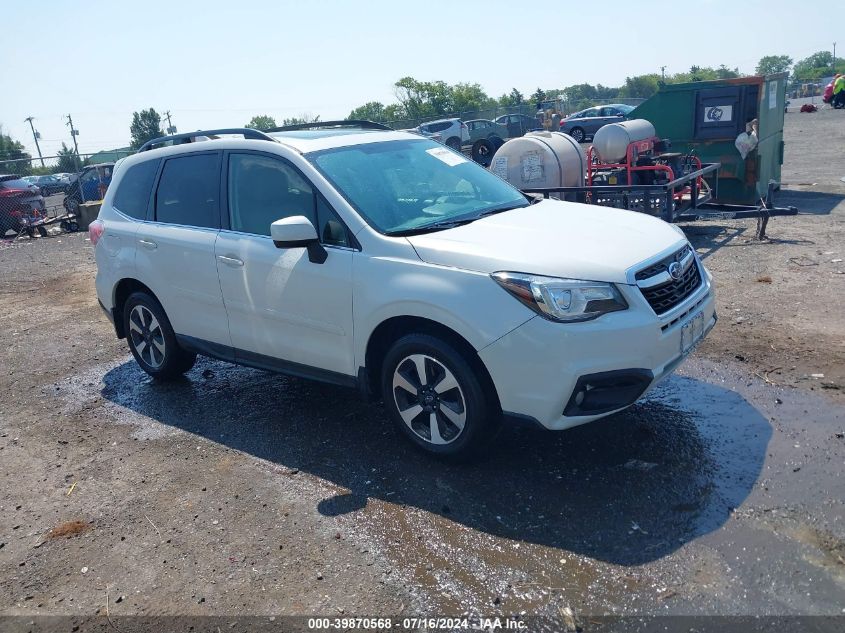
{"x":718,"y":493}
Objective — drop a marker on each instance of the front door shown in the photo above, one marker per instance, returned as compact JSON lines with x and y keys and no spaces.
{"x":285,"y":312}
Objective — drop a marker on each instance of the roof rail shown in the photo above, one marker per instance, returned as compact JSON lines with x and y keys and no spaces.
{"x":364,"y":125}
{"x":187,"y":137}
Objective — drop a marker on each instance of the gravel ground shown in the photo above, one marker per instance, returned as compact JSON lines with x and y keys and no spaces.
{"x":240,"y":492}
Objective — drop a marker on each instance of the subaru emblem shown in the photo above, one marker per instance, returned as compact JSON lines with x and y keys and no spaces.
{"x":675,"y":271}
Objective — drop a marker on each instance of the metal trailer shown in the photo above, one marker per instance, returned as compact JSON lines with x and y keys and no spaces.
{"x":687,"y":198}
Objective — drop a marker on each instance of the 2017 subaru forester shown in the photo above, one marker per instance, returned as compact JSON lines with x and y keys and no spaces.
{"x":388,"y":262}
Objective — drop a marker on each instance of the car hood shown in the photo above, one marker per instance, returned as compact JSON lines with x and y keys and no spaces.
{"x":553,"y":238}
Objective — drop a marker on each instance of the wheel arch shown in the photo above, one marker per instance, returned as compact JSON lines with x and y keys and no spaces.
{"x":122,"y":290}
{"x":392,"y":329}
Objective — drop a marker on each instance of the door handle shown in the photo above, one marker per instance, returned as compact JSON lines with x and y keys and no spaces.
{"x":230,"y":261}
{"x":148,"y":244}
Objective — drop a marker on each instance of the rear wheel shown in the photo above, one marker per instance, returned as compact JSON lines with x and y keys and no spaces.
{"x":454,"y":142}
{"x":436,"y":399}
{"x":152,"y":340}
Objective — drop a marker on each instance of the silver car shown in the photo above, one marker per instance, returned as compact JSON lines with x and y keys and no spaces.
{"x":453,"y":132}
{"x":584,"y":124}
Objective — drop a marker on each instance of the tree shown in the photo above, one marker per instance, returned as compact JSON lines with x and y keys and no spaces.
{"x":723,"y":72}
{"x":538,"y":96}
{"x":816,"y":66}
{"x":370,"y":111}
{"x":773,"y":64}
{"x":640,"y":87}
{"x":301,"y":120}
{"x":423,"y":99}
{"x":469,"y":97}
{"x":514,"y":99}
{"x":261,"y":122}
{"x":68,"y":160}
{"x":146,"y":125}
{"x":12,"y":150}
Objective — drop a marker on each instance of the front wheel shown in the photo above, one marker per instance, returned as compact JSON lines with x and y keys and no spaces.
{"x":578,"y":134}
{"x":435,"y":398}
{"x":152,"y":340}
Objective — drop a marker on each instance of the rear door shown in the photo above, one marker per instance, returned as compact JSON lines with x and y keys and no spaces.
{"x":175,"y":248}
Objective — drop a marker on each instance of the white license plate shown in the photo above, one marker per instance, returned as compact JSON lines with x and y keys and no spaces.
{"x":692,"y":332}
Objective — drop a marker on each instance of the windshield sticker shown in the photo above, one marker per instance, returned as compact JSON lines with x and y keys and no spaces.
{"x":446,"y":155}
{"x":500,"y":167}
{"x":532,"y":167}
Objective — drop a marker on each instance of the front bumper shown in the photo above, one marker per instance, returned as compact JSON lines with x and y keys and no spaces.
{"x":617,"y":358}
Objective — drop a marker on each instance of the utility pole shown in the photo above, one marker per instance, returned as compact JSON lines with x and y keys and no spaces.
{"x":171,"y":129}
{"x":74,"y":133}
{"x":834,"y":58}
{"x":663,"y":74}
{"x":35,"y":138}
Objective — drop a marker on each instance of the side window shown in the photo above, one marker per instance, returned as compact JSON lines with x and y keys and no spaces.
{"x":332,"y":231}
{"x":264,"y":189}
{"x":90,"y":176}
{"x":188,"y":191}
{"x":133,"y":193}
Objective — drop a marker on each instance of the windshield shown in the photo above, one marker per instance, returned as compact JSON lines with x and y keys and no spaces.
{"x":406,"y":186}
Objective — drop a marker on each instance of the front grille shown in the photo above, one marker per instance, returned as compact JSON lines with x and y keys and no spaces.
{"x":666,"y":296}
{"x":663,"y":264}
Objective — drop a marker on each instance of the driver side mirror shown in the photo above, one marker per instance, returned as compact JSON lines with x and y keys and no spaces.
{"x":298,"y":232}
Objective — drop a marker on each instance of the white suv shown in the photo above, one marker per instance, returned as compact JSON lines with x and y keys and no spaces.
{"x":451,"y":132}
{"x":387,"y":262}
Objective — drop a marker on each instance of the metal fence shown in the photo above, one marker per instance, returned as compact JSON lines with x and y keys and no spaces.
{"x":68,"y":163}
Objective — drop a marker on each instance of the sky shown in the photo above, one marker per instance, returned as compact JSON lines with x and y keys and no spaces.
{"x":216,"y":64}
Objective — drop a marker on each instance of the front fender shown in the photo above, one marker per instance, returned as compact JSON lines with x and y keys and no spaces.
{"x":467,"y":302}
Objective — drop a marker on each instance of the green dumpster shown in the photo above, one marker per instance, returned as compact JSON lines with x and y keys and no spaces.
{"x":708,"y":117}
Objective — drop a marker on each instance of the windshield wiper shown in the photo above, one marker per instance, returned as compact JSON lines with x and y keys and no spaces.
{"x":430,"y":228}
{"x":450,"y":224}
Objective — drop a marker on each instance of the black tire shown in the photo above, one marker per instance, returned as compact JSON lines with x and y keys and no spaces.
{"x":454,"y":142}
{"x":482,"y":152}
{"x":468,"y":401}
{"x":497,"y":141}
{"x":160,"y":354}
{"x":578,"y":134}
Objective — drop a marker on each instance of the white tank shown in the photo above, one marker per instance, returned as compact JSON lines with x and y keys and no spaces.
{"x":611,"y":141}
{"x":541,"y":160}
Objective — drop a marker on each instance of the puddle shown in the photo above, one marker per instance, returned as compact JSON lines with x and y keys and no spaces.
{"x":546,"y":520}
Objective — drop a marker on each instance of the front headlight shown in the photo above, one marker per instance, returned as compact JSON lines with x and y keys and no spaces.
{"x":565,"y":300}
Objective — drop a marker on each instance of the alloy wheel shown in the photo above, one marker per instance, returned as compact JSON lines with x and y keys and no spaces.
{"x":147,"y":336}
{"x":429,"y":399}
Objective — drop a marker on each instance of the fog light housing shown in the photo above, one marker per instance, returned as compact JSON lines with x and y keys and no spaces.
{"x":607,"y":391}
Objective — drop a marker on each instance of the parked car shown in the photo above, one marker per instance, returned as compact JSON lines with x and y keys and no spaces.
{"x":584,"y":124}
{"x":453,"y":132}
{"x":386,"y":262}
{"x":434,"y":136}
{"x":518,"y":124}
{"x":482,"y":128}
{"x":90,"y":184}
{"x":21,"y":204}
{"x":50,"y":184}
